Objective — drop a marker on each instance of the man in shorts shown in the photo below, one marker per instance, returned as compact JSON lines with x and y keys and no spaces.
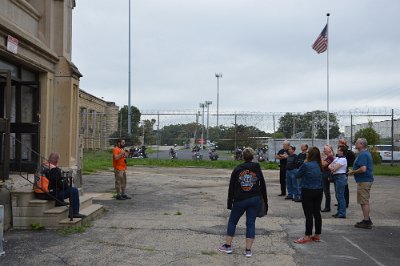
{"x":362,"y":171}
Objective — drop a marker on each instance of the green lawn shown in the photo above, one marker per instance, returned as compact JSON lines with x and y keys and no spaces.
{"x":102,"y":160}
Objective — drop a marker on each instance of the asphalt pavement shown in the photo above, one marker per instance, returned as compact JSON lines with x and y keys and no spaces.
{"x":178,"y":216}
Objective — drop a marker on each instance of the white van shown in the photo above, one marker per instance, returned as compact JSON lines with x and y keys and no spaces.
{"x":385,"y":152}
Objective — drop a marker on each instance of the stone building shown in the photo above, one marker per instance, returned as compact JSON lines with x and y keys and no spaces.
{"x":98,"y":119}
{"x":39,"y":85}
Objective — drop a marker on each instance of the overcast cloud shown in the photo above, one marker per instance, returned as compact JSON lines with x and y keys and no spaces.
{"x":262,"y":47}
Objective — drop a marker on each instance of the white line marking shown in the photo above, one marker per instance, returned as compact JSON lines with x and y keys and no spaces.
{"x":358,"y":247}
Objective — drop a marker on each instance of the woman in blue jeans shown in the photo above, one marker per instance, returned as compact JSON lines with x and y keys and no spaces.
{"x":339,"y":168}
{"x":310,"y":173}
{"x":246,"y":191}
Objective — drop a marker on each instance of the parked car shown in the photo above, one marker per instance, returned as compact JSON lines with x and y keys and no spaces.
{"x":385,"y":152}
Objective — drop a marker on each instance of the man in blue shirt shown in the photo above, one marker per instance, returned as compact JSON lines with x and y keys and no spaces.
{"x":362,"y":171}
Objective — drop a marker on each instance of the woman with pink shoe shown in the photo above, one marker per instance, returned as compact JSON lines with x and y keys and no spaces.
{"x":310,"y":173}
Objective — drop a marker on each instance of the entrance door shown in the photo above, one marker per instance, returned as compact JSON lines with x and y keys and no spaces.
{"x":24,"y":125}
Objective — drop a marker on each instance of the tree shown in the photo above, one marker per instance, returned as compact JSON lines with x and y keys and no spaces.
{"x":369,"y":134}
{"x":150,"y":136}
{"x":122,"y":131}
{"x":310,"y":124}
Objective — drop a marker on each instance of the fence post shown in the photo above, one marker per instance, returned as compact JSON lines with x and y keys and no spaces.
{"x":392,"y":135}
{"x":1,"y":229}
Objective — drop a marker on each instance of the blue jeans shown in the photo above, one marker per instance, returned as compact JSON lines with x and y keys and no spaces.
{"x":294,"y":183}
{"x":298,"y":181}
{"x":290,"y":174}
{"x":340,"y":185}
{"x":250,"y":206}
{"x":64,"y":194}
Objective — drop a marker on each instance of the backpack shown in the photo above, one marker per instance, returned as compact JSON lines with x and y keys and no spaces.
{"x":41,"y":184}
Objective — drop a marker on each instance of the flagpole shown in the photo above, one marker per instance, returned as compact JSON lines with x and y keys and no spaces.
{"x":327,"y":79}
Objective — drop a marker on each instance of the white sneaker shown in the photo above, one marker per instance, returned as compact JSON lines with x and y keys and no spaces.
{"x":225,"y":248}
{"x":248,"y":253}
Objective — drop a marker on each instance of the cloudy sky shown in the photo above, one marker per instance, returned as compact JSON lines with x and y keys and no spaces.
{"x":262,"y":47}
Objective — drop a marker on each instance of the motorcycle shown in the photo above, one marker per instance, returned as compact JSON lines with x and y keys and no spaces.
{"x":238,"y":154}
{"x":138,"y":152}
{"x":197,"y":155}
{"x":172,"y":153}
{"x":213,"y":155}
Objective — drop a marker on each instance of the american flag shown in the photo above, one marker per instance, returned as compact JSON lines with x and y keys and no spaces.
{"x":321,"y":43}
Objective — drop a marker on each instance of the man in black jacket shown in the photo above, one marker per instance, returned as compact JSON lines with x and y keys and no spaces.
{"x":59,"y":187}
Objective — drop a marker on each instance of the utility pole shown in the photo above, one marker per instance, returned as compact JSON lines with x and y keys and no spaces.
{"x":202,"y":105}
{"x":218,"y":76}
{"x":207,"y":104}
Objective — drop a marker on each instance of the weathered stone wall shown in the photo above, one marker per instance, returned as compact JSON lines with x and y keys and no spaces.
{"x":98,"y":119}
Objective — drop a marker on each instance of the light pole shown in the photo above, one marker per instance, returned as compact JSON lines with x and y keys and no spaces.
{"x":218,"y":75}
{"x":129,"y":74}
{"x":202,"y":105}
{"x":207,"y":104}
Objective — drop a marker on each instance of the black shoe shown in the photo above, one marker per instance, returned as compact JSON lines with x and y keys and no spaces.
{"x":77,"y":215}
{"x":336,"y":204}
{"x":289,"y":198}
{"x":366,"y":224}
{"x":326,"y":210}
{"x":59,"y":204}
{"x":338,"y":216}
{"x":119,"y":197}
{"x":124,"y":196}
{"x":297,"y":200}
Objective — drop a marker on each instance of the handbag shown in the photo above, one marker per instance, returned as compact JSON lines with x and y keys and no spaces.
{"x":262,"y":211}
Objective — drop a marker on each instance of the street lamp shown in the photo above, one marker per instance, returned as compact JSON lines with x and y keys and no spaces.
{"x":207,"y":104}
{"x":202,"y":105}
{"x":218,"y":75}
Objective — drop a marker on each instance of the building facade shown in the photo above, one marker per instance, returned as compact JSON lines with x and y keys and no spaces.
{"x":383,"y":128}
{"x":39,"y":85}
{"x":98,"y":119}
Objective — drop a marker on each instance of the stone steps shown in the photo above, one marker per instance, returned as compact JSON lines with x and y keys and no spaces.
{"x":27,"y":210}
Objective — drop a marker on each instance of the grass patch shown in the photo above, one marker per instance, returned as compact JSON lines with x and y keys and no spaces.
{"x":75,"y":229}
{"x":37,"y":226}
{"x":178,"y":213}
{"x":209,"y":253}
{"x":147,"y":249}
{"x":386,"y":170}
{"x":96,"y":160}
{"x":102,"y":160}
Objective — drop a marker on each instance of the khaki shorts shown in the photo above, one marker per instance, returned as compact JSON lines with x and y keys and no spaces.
{"x":363,"y":189}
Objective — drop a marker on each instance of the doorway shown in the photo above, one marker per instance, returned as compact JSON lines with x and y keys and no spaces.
{"x":20,"y":115}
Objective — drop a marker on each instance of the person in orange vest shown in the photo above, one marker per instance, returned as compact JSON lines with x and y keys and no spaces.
{"x":119,"y":164}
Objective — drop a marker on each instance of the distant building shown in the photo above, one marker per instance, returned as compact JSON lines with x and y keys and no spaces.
{"x":98,"y":119}
{"x":383,"y":128}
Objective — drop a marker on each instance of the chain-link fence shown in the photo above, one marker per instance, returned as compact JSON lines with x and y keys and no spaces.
{"x":309,"y":127}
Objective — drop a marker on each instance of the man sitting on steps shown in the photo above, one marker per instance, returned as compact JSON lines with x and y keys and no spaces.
{"x":59,"y":187}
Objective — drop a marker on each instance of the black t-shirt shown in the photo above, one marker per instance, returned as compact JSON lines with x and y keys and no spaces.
{"x":282,"y":162}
